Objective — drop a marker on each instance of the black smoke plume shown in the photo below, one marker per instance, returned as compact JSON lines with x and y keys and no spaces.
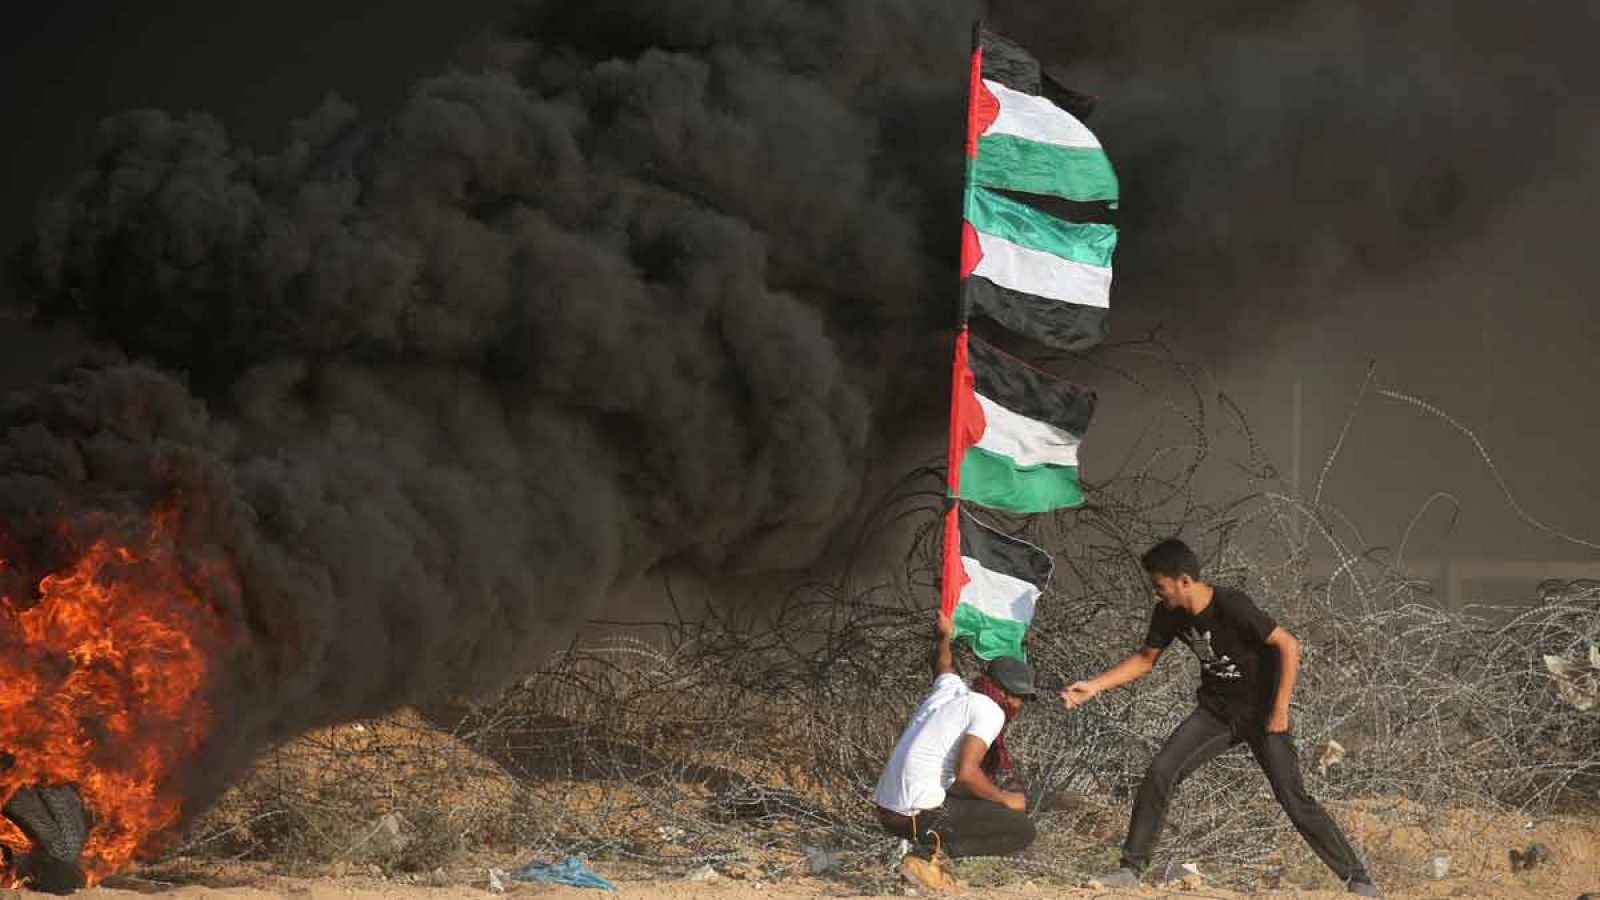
{"x":643,"y":285}
{"x":1276,"y":155}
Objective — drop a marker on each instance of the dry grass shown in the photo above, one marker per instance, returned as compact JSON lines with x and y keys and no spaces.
{"x":738,"y":740}
{"x":662,"y":758}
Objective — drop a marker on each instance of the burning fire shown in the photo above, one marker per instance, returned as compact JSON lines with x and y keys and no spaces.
{"x":101,"y":683}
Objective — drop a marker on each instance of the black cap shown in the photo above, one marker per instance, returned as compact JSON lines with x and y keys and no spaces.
{"x":1014,"y":675}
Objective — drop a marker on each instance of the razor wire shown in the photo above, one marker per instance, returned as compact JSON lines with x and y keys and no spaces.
{"x":740,"y":737}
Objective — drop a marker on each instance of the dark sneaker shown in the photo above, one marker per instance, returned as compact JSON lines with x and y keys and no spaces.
{"x":1363,"y":889}
{"x":1119,"y":878}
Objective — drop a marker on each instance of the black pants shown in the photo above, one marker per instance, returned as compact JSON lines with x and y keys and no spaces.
{"x":966,"y":826}
{"x":1200,"y":738}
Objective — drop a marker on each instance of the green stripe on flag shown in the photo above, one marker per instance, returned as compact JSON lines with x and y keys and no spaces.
{"x":988,"y":635}
{"x":991,"y":213}
{"x":1073,"y":173}
{"x":997,"y":481}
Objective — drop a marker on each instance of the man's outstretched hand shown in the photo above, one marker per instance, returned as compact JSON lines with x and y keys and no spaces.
{"x":1078,"y":693}
{"x":945,"y":628}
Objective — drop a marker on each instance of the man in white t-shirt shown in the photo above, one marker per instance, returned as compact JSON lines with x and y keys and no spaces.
{"x":934,"y":790}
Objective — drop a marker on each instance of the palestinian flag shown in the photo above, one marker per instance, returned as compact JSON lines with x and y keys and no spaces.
{"x":1020,"y":135}
{"x":1014,"y":431}
{"x":1037,"y":275}
{"x":992,"y":583}
{"x":1036,"y":251}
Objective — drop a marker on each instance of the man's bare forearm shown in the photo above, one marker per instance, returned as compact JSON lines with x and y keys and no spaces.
{"x":1134,"y":667}
{"x":1288,"y":671}
{"x":940,"y":656}
{"x":970,"y":775}
{"x":981,"y":786}
{"x":1137,"y":665}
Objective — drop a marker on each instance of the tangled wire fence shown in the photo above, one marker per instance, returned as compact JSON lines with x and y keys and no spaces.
{"x":746,"y":741}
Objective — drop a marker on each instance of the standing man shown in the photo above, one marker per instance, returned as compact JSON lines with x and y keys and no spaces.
{"x":1248,"y":665}
{"x":935,"y":791}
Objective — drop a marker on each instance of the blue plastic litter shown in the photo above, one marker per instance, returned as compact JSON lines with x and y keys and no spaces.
{"x":571,"y":871}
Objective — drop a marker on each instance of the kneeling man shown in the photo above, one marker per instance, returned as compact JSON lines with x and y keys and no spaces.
{"x":938,"y":789}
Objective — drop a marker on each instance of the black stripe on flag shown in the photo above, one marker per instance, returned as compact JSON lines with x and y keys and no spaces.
{"x":1081,"y":105}
{"x":1005,"y":61}
{"x":1027,"y":391}
{"x":1002,"y":553}
{"x":1097,"y":211}
{"x":1054,"y":323}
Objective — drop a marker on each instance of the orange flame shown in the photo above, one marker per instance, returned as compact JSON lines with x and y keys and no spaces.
{"x":101,"y":685}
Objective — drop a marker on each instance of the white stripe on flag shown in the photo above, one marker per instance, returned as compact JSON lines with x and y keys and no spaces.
{"x":1042,"y":274}
{"x":997,"y":594}
{"x":1037,"y":119}
{"x":1024,"y":441}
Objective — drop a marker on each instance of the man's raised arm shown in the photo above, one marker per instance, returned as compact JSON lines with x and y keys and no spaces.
{"x":943,"y":663}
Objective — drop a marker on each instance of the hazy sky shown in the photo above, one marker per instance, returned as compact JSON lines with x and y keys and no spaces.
{"x":1310,"y":187}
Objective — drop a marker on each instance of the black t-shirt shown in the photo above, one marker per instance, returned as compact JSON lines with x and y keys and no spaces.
{"x":1238,"y":671}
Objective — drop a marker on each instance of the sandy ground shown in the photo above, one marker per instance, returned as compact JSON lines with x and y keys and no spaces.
{"x":1479,"y":863}
{"x":1560,"y":880}
{"x":1391,"y":832}
{"x":315,"y":889}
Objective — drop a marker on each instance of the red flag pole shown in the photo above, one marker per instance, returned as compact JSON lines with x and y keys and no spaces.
{"x":952,"y":574}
